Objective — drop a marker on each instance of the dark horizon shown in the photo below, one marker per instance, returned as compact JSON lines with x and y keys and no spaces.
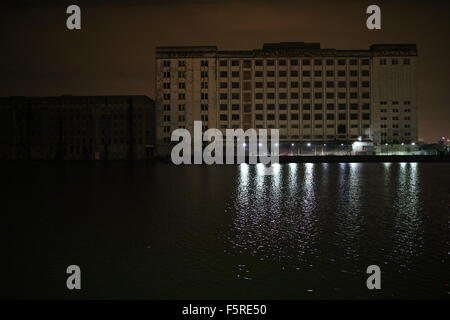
{"x":114,"y":52}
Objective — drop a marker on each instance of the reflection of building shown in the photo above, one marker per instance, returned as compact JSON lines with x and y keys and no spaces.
{"x":309,"y":93}
{"x":75,"y":127}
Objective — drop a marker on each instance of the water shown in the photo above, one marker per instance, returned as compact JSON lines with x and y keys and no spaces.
{"x":158,"y":231}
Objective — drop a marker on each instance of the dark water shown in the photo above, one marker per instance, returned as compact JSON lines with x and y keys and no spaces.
{"x":159,"y":231}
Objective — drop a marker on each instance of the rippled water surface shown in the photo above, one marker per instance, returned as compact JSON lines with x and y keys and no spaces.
{"x":161,"y":231}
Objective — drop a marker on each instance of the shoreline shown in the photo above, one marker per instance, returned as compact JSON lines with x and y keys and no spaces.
{"x":282,"y":159}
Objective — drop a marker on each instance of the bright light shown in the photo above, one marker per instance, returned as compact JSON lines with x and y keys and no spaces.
{"x":276,"y":144}
{"x":324,"y":144}
{"x":342,"y":144}
{"x":403,"y":144}
{"x":308,"y":144}
{"x":413,"y":144}
{"x":386,"y":144}
{"x":260,"y":144}
{"x":244,"y":144}
{"x":292,"y":144}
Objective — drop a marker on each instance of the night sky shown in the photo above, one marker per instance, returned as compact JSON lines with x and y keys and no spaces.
{"x":114,"y":51}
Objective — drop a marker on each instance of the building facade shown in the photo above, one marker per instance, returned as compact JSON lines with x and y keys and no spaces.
{"x":312,"y":95}
{"x":77,"y":127}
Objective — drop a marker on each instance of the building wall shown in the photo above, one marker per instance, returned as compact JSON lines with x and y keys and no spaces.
{"x":310,"y":94}
{"x":78,"y":128}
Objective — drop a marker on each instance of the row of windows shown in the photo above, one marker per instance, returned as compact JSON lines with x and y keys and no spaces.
{"x":407,"y":102}
{"x":292,"y":73}
{"x":296,"y":106}
{"x":394,"y":126}
{"x":293,"y":62}
{"x":394,"y":110}
{"x":281,"y":95}
{"x":272,"y":116}
{"x":295,"y":116}
{"x":305,"y":84}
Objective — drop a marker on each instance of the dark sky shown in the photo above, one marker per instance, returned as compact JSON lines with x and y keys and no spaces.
{"x":114,"y":51}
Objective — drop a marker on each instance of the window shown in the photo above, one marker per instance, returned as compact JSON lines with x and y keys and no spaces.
{"x":166,"y":96}
{"x":306,"y":73}
{"x":330,"y":73}
{"x":365,"y":62}
{"x":294,"y":62}
{"x":294,"y":84}
{"x":382,"y":62}
{"x":235,"y":85}
{"x":166,"y":85}
{"x":166,"y":74}
{"x":234,"y":117}
{"x":306,"y":116}
{"x":258,"y":106}
{"x":166,"y":107}
{"x":270,"y":117}
{"x":235,"y":107}
{"x":258,"y":62}
{"x":330,"y":62}
{"x":235,"y":74}
{"x":306,"y":62}
{"x":281,"y":62}
{"x":204,"y":74}
{"x":235,"y":63}
{"x":318,"y":106}
{"x":204,"y":107}
{"x":283,"y":117}
{"x":223,"y":74}
{"x":330,"y":116}
{"x":204,"y":85}
{"x":282,"y":73}
{"x":166,"y":63}
{"x":294,"y":106}
{"x":341,"y":73}
{"x":181,"y":107}
{"x":406,"y":61}
{"x":341,"y":62}
{"x":306,"y":84}
{"x":353,"y":116}
{"x":223,"y":107}
{"x":181,"y":96}
{"x":342,"y":116}
{"x":317,"y":62}
{"x":204,"y":96}
{"x":294,"y":116}
{"x":258,"y":74}
{"x":294,"y":73}
{"x":271,"y":73}
{"x":318,"y":116}
{"x":223,"y":85}
{"x":223,"y":63}
{"x":235,"y":96}
{"x":317,"y":73}
{"x":353,"y":62}
{"x":223,"y":117}
{"x":270,"y":62}
{"x":204,"y":63}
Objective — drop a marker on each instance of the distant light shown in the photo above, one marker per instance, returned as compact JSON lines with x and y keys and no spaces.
{"x":276,"y":144}
{"x":386,"y":144}
{"x":324,"y":144}
{"x":413,"y":144}
{"x":244,"y":144}
{"x":308,"y":144}
{"x":292,"y":144}
{"x":342,"y":144}
{"x":403,"y":144}
{"x":260,"y":144}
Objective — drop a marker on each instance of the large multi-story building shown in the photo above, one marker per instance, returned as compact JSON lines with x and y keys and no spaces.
{"x":77,"y":127}
{"x":312,"y":95}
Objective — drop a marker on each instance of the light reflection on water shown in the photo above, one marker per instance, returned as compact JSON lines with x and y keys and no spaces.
{"x":329,"y":218}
